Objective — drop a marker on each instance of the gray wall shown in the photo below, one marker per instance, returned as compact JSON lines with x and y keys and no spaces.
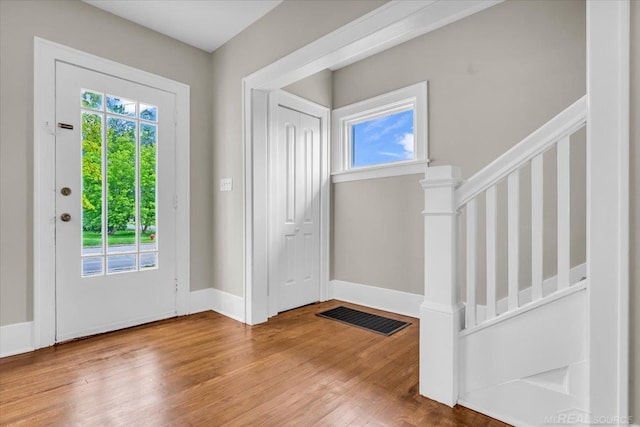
{"x":317,"y":88}
{"x":494,"y":77}
{"x":286,"y":28}
{"x":87,"y":28}
{"x":378,"y":233}
{"x":635,"y":211}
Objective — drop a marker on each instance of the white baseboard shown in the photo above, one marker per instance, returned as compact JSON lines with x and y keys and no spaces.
{"x":491,"y":413}
{"x":219,"y":301}
{"x":16,"y":338}
{"x":201,"y":300}
{"x":228,"y":304}
{"x":380,"y":298}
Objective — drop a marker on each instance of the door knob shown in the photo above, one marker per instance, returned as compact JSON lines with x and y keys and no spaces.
{"x":65,"y":191}
{"x":65,"y":217}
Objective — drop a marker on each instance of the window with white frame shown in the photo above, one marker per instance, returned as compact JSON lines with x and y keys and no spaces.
{"x":381,"y":136}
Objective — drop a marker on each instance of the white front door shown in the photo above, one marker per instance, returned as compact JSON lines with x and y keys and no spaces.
{"x":115,"y":203}
{"x":295,"y":192}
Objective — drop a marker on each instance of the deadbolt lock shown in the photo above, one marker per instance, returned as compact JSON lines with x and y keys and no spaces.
{"x":65,"y":217}
{"x":65,"y":191}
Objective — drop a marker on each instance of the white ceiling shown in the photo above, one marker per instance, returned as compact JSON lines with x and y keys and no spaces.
{"x":205,"y":24}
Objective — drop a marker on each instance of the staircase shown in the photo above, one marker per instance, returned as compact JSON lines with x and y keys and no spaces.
{"x":511,"y":347}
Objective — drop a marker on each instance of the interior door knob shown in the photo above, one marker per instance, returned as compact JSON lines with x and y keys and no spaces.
{"x":65,"y":217}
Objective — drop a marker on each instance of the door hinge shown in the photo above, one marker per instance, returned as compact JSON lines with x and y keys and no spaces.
{"x":176,"y":282}
{"x":175,"y":202}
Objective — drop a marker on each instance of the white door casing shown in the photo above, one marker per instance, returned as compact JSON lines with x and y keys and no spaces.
{"x":46,"y":55}
{"x":108,"y":298}
{"x":608,"y":79}
{"x":294,"y":195}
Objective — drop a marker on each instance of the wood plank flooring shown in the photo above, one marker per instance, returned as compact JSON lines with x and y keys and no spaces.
{"x":207,"y":370}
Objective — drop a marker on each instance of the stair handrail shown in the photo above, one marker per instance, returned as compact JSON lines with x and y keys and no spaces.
{"x":564,"y":124}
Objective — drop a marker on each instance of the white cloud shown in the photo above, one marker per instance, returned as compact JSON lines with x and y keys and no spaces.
{"x":377,"y":128}
{"x":408,"y":145}
{"x":389,"y":154}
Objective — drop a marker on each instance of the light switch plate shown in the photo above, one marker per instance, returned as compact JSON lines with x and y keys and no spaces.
{"x":226,"y":184}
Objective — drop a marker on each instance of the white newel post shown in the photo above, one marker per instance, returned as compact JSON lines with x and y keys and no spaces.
{"x":441,"y":311}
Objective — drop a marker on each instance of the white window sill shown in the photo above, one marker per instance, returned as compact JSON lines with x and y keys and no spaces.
{"x":382,"y":171}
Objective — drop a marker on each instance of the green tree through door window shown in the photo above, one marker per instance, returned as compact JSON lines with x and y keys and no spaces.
{"x":119,"y":184}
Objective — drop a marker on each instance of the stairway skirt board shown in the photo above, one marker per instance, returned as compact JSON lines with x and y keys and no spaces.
{"x":530,"y":367}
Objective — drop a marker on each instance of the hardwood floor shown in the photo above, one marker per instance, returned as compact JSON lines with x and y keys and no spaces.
{"x":205,"y":369}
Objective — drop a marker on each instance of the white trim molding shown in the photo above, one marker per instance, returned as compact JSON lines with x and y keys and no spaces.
{"x":201,"y":300}
{"x":46,"y":54}
{"x":608,"y":51}
{"x":389,"y":25}
{"x":389,"y":170}
{"x":228,"y":304}
{"x":390,"y":300}
{"x":222,"y":302}
{"x":16,"y":338}
{"x":410,"y":98}
{"x":492,"y":413}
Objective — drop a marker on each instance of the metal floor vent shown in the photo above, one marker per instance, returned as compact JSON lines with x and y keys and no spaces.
{"x":372,"y":322}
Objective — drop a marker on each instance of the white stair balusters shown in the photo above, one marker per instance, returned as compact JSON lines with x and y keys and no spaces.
{"x":513,"y":224}
{"x":472,"y":231}
{"x":537,"y":226}
{"x":564,"y":212}
{"x":491,"y":200}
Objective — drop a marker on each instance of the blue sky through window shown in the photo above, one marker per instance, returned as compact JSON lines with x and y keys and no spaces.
{"x":386,"y":139}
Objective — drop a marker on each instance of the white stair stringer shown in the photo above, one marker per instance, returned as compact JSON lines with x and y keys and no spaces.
{"x":524,"y":404}
{"x":530,"y":363}
{"x":555,"y":379}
